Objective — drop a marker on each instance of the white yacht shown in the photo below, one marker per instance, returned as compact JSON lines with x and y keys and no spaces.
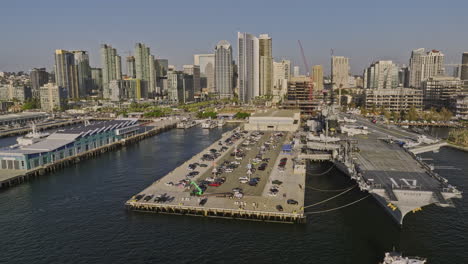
{"x":397,"y":258}
{"x":209,"y":124}
{"x":186,"y":124}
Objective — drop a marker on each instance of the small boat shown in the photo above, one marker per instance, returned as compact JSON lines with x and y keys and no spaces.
{"x":209,"y":124}
{"x":186,"y":124}
{"x":397,"y":258}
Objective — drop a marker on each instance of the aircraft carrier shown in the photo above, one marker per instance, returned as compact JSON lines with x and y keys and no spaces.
{"x":379,"y":159}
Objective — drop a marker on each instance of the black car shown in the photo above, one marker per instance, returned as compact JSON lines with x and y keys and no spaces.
{"x":203,"y":201}
{"x":291,"y":201}
{"x":147,"y":198}
{"x":253,"y":183}
{"x":279,"y":208}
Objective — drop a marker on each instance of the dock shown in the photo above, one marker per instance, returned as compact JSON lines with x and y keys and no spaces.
{"x":257,"y":203}
{"x":10,"y":178}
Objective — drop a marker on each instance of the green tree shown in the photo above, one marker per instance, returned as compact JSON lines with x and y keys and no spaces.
{"x":363,"y":110}
{"x":241,"y":115}
{"x":33,"y":103}
{"x":445,"y":114}
{"x":413,"y":114}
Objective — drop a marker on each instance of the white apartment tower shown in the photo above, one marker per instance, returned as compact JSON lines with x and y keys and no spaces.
{"x":381,"y":75}
{"x":340,"y":71}
{"x":424,"y":65}
{"x":281,"y":76}
{"x":248,"y":70}
{"x":111,"y":66}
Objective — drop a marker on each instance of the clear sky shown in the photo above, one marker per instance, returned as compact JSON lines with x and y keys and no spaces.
{"x":365,"y":31}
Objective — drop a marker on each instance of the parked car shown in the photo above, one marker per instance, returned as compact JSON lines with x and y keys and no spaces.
{"x":292,"y":201}
{"x":203,"y":201}
{"x":279,"y":208}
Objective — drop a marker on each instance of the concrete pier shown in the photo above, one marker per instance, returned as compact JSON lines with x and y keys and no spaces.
{"x":257,"y":204}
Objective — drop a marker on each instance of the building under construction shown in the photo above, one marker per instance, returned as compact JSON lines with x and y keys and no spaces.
{"x":298,"y":96}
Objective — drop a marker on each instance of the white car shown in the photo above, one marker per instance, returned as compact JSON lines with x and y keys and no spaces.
{"x":235,"y":162}
{"x":210,"y":179}
{"x":244,"y":181}
{"x":243,"y":178}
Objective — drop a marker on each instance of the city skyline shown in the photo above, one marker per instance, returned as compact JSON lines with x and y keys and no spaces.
{"x":363,"y":42}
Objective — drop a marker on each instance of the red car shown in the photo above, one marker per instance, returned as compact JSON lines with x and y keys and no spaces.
{"x":215,"y":184}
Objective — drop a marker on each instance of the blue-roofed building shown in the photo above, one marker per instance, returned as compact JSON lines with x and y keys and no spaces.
{"x":66,"y":143}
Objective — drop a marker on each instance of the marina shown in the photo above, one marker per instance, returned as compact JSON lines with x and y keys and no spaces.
{"x":89,"y":197}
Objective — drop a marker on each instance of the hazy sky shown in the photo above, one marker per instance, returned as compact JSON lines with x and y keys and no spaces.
{"x":365,"y":31}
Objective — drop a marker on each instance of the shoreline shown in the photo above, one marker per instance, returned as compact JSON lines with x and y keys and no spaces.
{"x":455,"y":146}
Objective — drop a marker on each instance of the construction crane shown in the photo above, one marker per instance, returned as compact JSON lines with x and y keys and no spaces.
{"x":311,"y":81}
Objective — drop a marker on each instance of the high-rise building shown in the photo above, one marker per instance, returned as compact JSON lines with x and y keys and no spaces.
{"x":297,"y":71}
{"x":174,"y":85}
{"x":281,"y":76}
{"x":84,"y":72}
{"x":66,"y":72}
{"x":111,"y":66}
{"x":131,"y":72}
{"x":425,"y":65}
{"x":162,"y":66}
{"x":317,"y":77}
{"x":39,"y":77}
{"x":464,"y":67}
{"x":152,"y":77}
{"x":340,"y":71}
{"x":248,"y":67}
{"x":381,"y":75}
{"x":53,"y":97}
{"x":223,"y":71}
{"x":194,"y":70}
{"x":438,"y":91}
{"x":265,"y":65}
{"x":207,"y":75}
{"x":403,"y":77}
{"x":131,"y":88}
{"x":96,"y":81}
{"x":144,"y":65}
